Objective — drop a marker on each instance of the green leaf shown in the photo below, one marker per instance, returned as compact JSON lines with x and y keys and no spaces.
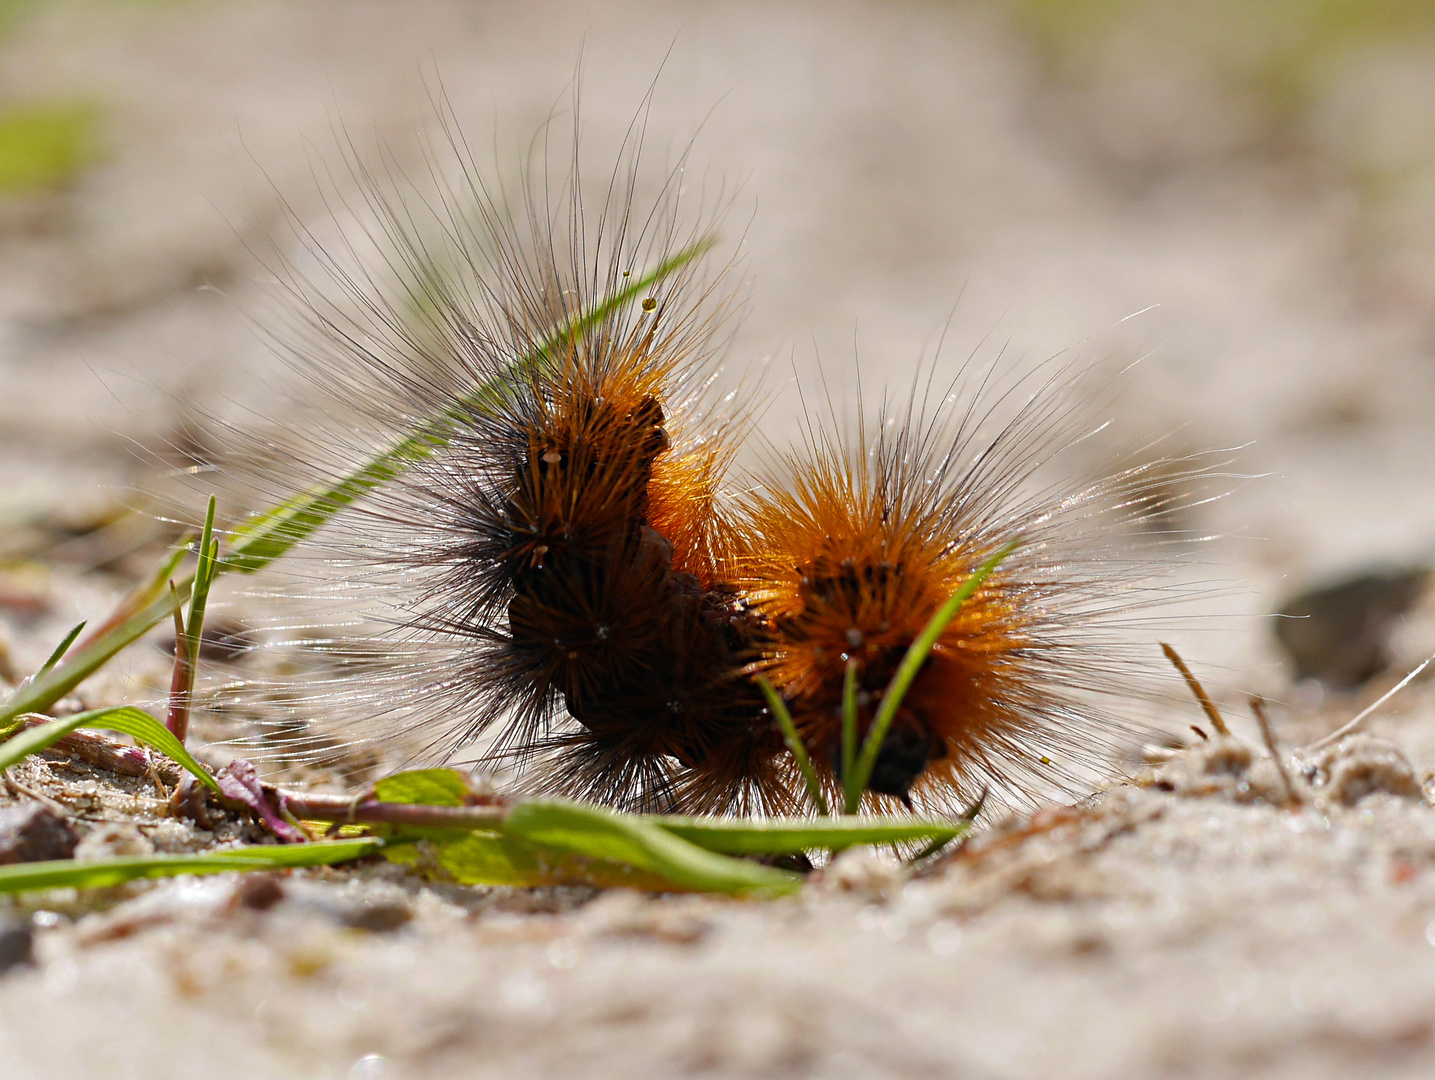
{"x":548,"y":842}
{"x":789,"y":836}
{"x":123,"y":718}
{"x":96,"y":873}
{"x":427,"y":787}
{"x":576,"y":829}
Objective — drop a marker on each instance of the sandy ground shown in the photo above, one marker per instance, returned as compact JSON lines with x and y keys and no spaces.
{"x":887,"y":159}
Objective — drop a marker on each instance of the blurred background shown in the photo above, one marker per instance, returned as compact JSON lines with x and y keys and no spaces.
{"x":1255,"y":178}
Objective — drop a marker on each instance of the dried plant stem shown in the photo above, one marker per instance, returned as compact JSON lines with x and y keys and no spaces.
{"x":346,"y":810}
{"x":1359,"y":718}
{"x":1212,"y":713}
{"x":1258,"y":706}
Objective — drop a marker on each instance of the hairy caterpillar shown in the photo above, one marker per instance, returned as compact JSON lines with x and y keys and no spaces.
{"x":574,"y":582}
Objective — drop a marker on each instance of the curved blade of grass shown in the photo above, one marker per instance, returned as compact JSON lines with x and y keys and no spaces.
{"x":849,"y":722}
{"x":98,"y":873}
{"x":123,"y":718}
{"x":138,"y":614}
{"x":266,"y":536}
{"x":572,"y":828}
{"x":189,"y":631}
{"x":789,"y":836}
{"x":794,"y":743}
{"x":60,"y":650}
{"x":855,"y":782}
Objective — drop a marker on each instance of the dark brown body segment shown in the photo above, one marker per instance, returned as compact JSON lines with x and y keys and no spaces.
{"x":645,"y":657}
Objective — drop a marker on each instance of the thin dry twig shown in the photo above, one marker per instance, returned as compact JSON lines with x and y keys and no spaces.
{"x":1196,"y":688}
{"x":1258,"y":706}
{"x":39,"y":796}
{"x":1351,"y":724}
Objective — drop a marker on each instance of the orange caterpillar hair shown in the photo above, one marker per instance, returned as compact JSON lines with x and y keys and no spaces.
{"x":856,"y":544}
{"x":569,"y":584}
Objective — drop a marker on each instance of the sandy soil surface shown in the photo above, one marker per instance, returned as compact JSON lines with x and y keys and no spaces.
{"x":887,"y":159}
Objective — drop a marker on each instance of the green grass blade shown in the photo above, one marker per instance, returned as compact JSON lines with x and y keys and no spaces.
{"x":123,"y":718}
{"x":267,"y":536}
{"x":572,"y":828}
{"x":97,"y":873}
{"x":849,"y":730}
{"x":153,"y":607}
{"x":794,"y":743}
{"x":789,"y":836}
{"x":189,"y":632}
{"x":60,"y":650}
{"x":917,"y":653}
{"x":204,"y":575}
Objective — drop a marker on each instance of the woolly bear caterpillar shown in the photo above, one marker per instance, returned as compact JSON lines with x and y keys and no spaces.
{"x":564,"y":573}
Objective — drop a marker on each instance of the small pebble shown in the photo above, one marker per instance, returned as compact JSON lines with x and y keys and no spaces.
{"x":32,"y":832}
{"x":17,"y":942}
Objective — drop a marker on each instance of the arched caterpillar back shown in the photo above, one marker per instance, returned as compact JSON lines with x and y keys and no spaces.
{"x":577,"y":583}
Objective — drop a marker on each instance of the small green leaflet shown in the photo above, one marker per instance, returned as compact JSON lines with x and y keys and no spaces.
{"x":427,"y":787}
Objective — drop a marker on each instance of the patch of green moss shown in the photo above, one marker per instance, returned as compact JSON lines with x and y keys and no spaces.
{"x":1282,"y":49}
{"x":45,"y":146}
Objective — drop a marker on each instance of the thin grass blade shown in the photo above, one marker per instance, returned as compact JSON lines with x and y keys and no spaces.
{"x":60,"y":650}
{"x":916,"y":655}
{"x":849,"y":725}
{"x":790,"y":836}
{"x":794,"y":744}
{"x":267,"y":536}
{"x":98,"y":873}
{"x":129,"y":625}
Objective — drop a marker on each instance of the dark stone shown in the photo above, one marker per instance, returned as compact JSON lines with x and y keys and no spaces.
{"x":258,"y":892}
{"x":32,"y":832}
{"x":378,"y":916}
{"x":17,"y":942}
{"x":1339,"y":633}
